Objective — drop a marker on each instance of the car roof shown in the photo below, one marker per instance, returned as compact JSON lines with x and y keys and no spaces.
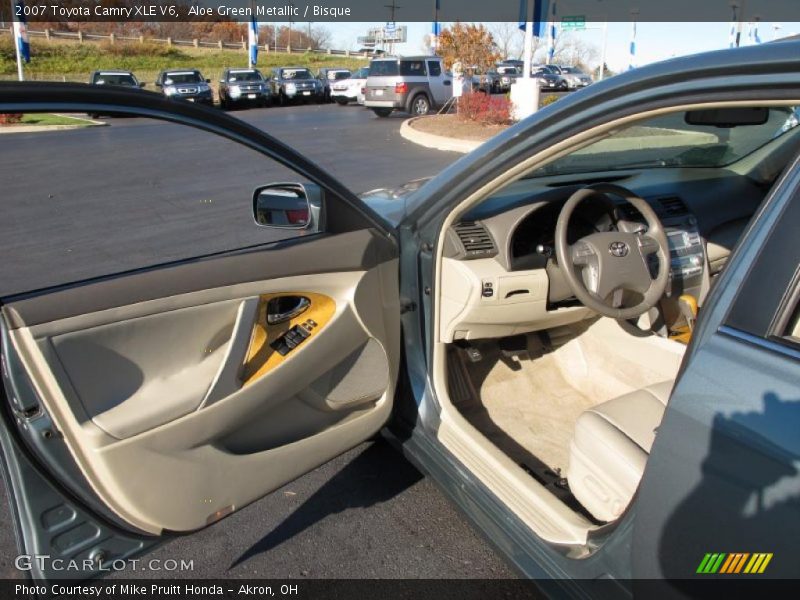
{"x":181,"y":71}
{"x":417,"y":57}
{"x":112,"y":72}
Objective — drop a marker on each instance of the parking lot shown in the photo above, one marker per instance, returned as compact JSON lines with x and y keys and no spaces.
{"x":368,"y":513}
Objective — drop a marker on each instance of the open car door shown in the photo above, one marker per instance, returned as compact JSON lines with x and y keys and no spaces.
{"x":165,"y":397}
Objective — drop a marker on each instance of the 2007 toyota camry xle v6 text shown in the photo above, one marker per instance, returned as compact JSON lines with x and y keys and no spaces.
{"x":587,"y":332}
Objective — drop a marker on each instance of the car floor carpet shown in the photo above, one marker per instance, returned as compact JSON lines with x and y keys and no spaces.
{"x":527,"y":405}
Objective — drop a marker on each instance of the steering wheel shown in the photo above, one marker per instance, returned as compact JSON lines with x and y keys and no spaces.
{"x":614,"y":261}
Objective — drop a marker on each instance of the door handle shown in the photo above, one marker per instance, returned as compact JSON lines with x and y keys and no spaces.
{"x":286,"y":308}
{"x":228,"y":377}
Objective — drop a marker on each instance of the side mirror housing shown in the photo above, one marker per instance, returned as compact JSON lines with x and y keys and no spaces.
{"x":142,"y":84}
{"x":208,"y":81}
{"x":290,"y":206}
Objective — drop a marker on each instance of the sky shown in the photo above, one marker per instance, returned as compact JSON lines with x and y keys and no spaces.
{"x":654,"y":41}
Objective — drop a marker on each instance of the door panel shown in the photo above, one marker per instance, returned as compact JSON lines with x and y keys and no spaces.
{"x":127,"y":390}
{"x":163,"y":373}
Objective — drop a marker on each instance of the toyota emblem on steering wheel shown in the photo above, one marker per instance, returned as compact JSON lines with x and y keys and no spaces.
{"x":618,"y":249}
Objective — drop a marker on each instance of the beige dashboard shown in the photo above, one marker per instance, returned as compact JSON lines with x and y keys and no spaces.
{"x":480,"y":299}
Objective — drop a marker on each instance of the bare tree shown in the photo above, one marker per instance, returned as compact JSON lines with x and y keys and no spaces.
{"x":572,"y":50}
{"x":509,"y":38}
{"x":320,"y":37}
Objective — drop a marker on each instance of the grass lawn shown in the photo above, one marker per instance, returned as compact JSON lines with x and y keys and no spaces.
{"x":49,"y":119}
{"x":70,"y":61}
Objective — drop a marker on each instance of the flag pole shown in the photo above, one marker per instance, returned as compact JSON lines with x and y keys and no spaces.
{"x":528,"y":40}
{"x":15,"y":28}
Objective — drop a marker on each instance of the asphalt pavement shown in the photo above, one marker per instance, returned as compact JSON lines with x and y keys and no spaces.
{"x":366,"y":514}
{"x":164,"y":192}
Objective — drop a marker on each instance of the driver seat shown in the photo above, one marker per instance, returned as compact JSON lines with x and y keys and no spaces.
{"x":610,"y":447}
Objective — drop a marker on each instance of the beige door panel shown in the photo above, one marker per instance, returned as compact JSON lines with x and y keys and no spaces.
{"x":200,"y":461}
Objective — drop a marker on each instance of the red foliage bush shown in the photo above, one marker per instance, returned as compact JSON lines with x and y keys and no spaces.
{"x":10,"y":118}
{"x":484,"y":109}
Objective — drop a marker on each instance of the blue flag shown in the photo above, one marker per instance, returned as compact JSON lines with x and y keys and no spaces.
{"x":252,"y":35}
{"x":540,"y":12}
{"x":21,"y":31}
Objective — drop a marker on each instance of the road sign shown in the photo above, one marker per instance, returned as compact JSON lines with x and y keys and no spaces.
{"x":574,"y":22}
{"x":390,"y":28}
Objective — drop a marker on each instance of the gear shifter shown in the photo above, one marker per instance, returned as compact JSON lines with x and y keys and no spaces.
{"x":687,"y":304}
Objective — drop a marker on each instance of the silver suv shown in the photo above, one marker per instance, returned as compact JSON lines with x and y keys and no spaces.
{"x":413,"y":84}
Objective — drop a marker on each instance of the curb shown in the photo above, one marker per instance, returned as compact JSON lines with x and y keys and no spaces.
{"x":437,"y":142}
{"x":36,"y":128}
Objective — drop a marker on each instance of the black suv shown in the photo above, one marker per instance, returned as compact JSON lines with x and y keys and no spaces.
{"x":243,"y":86}
{"x":293,"y":84}
{"x":186,"y":84}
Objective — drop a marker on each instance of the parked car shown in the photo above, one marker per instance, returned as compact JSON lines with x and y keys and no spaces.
{"x":575,"y":77}
{"x":522,"y":326}
{"x":330,"y":75}
{"x":115,"y":78}
{"x":352,"y":89}
{"x":487,"y":82}
{"x":295,"y":84}
{"x":549,"y":79}
{"x":508,"y":75}
{"x":185,"y":84}
{"x":412,"y":84}
{"x":239,"y":87}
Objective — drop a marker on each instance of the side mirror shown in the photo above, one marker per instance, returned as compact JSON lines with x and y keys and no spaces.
{"x":289,"y":206}
{"x":142,"y":84}
{"x":208,"y":81}
{"x":157,"y":84}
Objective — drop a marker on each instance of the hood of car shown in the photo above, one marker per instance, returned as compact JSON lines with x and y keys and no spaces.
{"x":390,"y":203}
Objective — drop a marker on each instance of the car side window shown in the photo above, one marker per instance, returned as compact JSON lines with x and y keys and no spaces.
{"x":412,"y":68}
{"x":133,"y":194}
{"x":768,"y":301}
{"x":434,"y":68}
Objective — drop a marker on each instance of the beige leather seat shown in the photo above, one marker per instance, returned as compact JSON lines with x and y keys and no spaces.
{"x":610,"y":447}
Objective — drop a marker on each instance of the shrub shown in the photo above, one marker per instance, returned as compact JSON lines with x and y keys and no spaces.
{"x":484,"y":109}
{"x":10,"y":118}
{"x":548,"y":100}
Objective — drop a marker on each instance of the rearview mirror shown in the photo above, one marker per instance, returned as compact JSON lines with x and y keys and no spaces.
{"x":289,"y":206}
{"x":728,"y":117}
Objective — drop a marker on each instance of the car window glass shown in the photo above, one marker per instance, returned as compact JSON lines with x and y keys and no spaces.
{"x":384,"y":68}
{"x":244,"y":76}
{"x":412,"y":68}
{"x":114,"y":79}
{"x":133,"y":194}
{"x":296,"y":74}
{"x":183,"y":77}
{"x":434,"y":68}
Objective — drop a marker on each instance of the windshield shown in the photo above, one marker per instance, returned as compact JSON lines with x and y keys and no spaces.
{"x":571,"y":70}
{"x":362,"y":73}
{"x":668,"y":141}
{"x":507,"y":70}
{"x":244,"y":76}
{"x":337,"y":75}
{"x":187,"y":77}
{"x":296,"y":74}
{"x":114,"y":79}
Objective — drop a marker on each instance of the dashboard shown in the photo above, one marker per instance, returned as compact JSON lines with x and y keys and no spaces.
{"x":500,"y":273}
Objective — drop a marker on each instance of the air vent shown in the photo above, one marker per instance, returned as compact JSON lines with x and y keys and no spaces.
{"x":475,"y":240}
{"x":673,"y":206}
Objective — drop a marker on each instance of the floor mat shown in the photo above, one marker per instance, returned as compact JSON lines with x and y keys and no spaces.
{"x":527,"y":408}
